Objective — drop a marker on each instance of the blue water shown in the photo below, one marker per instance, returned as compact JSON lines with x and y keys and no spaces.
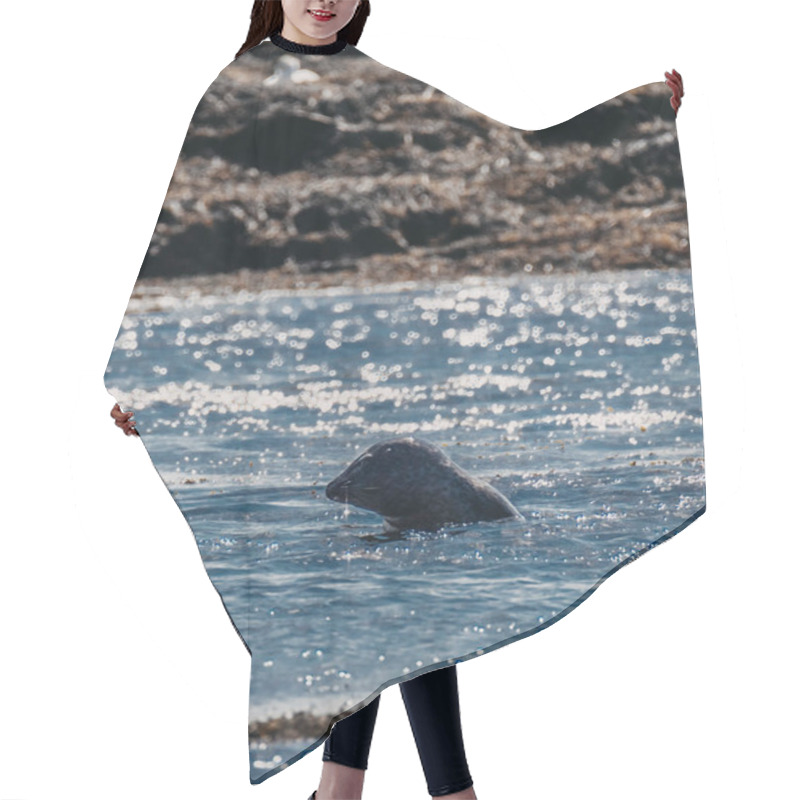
{"x":577,"y":396}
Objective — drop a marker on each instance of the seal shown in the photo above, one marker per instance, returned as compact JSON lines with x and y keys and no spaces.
{"x":412,"y":483}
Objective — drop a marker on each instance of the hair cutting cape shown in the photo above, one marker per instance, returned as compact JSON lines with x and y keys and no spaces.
{"x":419,"y":381}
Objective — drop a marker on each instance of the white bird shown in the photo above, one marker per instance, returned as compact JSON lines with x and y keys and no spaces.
{"x":288,"y":71}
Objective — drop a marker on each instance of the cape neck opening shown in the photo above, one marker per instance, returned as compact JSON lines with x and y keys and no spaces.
{"x":295,"y":47}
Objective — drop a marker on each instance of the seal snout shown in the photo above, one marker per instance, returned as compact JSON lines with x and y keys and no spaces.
{"x":336,"y":489}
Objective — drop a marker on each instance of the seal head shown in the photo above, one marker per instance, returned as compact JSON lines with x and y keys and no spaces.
{"x":412,"y":483}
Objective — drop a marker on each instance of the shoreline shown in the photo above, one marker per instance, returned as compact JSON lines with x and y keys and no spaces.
{"x":163,"y":294}
{"x":298,"y":725}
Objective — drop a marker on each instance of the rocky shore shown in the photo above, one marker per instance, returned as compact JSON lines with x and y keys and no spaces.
{"x":370,"y":176}
{"x":300,"y":725}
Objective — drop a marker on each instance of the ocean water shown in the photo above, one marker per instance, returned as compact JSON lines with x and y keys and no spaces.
{"x":577,"y":396}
